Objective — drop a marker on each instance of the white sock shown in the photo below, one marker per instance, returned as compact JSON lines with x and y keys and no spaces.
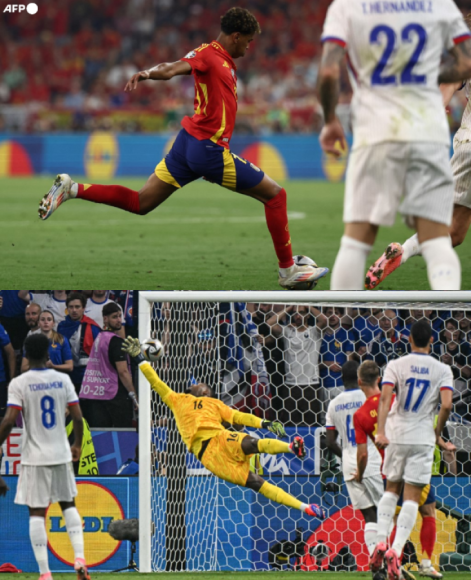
{"x":371,"y":536}
{"x":411,"y":248}
{"x":405,"y":524}
{"x":73,"y":189}
{"x":73,"y":523}
{"x":38,"y":537}
{"x":426,"y":563}
{"x":348,"y":272}
{"x":386,"y":510}
{"x":443,"y":264}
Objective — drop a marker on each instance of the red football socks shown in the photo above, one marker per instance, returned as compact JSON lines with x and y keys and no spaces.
{"x":115,"y":195}
{"x":428,"y":535}
{"x":277,"y":221}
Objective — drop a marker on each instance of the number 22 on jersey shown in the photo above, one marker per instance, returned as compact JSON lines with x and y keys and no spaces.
{"x":411,"y":33}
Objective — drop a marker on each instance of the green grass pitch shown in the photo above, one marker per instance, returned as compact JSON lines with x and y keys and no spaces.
{"x":203,"y":238}
{"x":230,"y":576}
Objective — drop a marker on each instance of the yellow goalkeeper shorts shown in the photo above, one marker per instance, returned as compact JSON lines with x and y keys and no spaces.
{"x":224,"y":457}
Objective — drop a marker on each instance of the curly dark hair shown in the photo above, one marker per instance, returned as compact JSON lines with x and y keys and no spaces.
{"x":239,"y":20}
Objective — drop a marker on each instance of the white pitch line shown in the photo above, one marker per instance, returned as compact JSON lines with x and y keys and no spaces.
{"x":292,"y":215}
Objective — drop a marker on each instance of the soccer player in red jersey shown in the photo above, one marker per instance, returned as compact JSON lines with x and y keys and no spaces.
{"x":201,"y":149}
{"x":365,"y":422}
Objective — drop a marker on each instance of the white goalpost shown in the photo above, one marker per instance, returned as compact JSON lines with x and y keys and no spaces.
{"x":241,"y":343}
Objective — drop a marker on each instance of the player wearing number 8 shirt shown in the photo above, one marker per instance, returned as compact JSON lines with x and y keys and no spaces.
{"x":226,"y":454}
{"x":407,"y":434}
{"x":43,"y":395}
{"x":401,"y":140}
{"x":201,"y":149}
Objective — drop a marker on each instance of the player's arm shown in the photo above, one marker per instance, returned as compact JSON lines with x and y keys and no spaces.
{"x":458,"y":67}
{"x":77,"y":419}
{"x":448,"y":91}
{"x":446,"y":404}
{"x":329,"y":90}
{"x":133,"y":348}
{"x":331,"y":437}
{"x":161,"y":72}
{"x":361,"y":439}
{"x":383,"y":409}
{"x":8,"y":423}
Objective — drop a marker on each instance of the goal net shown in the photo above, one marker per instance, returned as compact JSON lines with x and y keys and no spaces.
{"x":279,"y":355}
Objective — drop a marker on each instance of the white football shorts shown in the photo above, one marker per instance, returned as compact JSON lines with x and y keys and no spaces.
{"x":414,"y":178}
{"x":39,"y":486}
{"x":409,"y":463}
{"x":461,"y":167}
{"x":367,"y":493}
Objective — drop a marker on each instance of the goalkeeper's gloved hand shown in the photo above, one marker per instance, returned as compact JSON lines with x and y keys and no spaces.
{"x":274,"y":427}
{"x":133,"y":347}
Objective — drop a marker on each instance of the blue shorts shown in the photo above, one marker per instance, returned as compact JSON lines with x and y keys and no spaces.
{"x":189,"y":159}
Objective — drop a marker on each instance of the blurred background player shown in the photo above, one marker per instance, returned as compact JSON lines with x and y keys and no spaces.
{"x":364,"y":491}
{"x":396,"y":254}
{"x":406,"y":432}
{"x":365,"y":421}
{"x":201,"y":149}
{"x":200,"y":417}
{"x":43,"y":395}
{"x":394,"y":68}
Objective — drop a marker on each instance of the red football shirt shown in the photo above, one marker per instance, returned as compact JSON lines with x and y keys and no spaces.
{"x":215,"y":94}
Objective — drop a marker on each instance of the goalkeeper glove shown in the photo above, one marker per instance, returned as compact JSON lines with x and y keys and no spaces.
{"x":133,"y":347}
{"x":274,"y":427}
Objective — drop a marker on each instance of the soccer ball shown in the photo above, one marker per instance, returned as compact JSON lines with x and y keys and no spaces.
{"x":152,"y":349}
{"x":305,"y":261}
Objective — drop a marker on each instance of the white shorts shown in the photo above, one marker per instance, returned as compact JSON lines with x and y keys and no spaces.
{"x":367,"y":493}
{"x":39,"y":486}
{"x":414,"y":178}
{"x":409,"y":463}
{"x":461,"y":167}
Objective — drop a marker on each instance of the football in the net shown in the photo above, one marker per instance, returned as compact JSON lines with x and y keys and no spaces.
{"x":305,"y":261}
{"x":152,"y":349}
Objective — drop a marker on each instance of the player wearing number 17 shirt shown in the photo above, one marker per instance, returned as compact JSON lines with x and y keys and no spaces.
{"x":401,"y":139}
{"x":406,"y":432}
{"x":201,"y":149}
{"x":43,"y":395}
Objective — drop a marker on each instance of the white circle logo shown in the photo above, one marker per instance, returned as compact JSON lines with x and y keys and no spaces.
{"x":32,"y":8}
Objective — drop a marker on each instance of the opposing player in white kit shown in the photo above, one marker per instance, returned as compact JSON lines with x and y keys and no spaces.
{"x":396,"y":254}
{"x":399,"y":157}
{"x":366,"y":495}
{"x":46,"y":475}
{"x":409,"y":437}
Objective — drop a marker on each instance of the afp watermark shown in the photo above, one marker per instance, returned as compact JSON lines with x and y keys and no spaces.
{"x":30,"y":8}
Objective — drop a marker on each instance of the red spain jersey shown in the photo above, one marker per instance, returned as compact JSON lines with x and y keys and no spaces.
{"x":365,"y":421}
{"x":215,"y":94}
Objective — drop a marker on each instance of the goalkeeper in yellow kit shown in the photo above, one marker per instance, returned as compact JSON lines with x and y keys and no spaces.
{"x":200,"y":419}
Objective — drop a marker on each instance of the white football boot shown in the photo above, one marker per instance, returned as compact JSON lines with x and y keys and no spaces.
{"x":302,"y":276}
{"x":59,"y":192}
{"x":429,"y":572}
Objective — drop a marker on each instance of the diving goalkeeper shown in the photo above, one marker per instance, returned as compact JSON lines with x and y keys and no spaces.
{"x":226,"y":454}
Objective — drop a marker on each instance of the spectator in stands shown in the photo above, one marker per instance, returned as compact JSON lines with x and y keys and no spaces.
{"x":388,"y":343}
{"x":94,"y":308}
{"x":6,"y":354}
{"x":60,"y":355}
{"x":464,"y":320}
{"x":32,"y":313}
{"x":81,"y":331}
{"x":204,"y":360}
{"x":304,"y":399}
{"x":87,"y":464}
{"x":337,"y":347}
{"x":54,"y":301}
{"x":362,"y":323}
{"x":12,"y":318}
{"x":108,"y":394}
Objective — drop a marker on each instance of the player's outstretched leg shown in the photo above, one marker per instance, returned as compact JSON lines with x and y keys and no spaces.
{"x":251,"y":445}
{"x":73,"y":524}
{"x":154,"y":192}
{"x":389,"y":261}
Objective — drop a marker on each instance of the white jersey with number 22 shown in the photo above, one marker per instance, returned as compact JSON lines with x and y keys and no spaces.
{"x":394,"y":52}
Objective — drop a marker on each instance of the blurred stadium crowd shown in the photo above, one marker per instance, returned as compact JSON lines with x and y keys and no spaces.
{"x":65,"y":67}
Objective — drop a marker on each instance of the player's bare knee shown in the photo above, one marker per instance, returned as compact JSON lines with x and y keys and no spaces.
{"x":254,"y":482}
{"x":427,"y":510}
{"x":457,"y":237}
{"x":249,"y":445}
